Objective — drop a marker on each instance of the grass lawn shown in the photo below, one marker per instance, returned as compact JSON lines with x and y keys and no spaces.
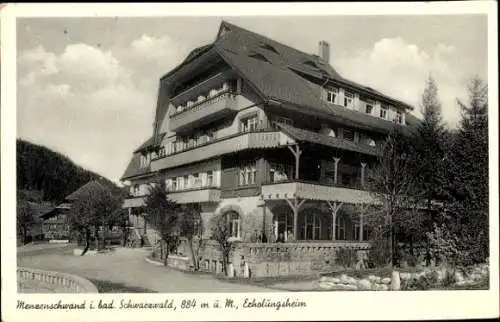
{"x":110,"y":287}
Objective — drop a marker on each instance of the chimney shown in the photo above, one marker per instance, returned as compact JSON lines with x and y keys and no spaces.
{"x":324,"y":51}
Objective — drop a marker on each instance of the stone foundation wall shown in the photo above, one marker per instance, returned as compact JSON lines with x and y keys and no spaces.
{"x":270,"y":259}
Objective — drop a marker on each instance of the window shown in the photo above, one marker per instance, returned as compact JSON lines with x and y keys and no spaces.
{"x":383,"y":111}
{"x":162,"y":152}
{"x":174,"y":184}
{"x":248,"y":173}
{"x":210,"y":135}
{"x":348,"y":99}
{"x":249,"y":123}
{"x":340,"y":228}
{"x":368,"y":108}
{"x":348,"y":134}
{"x":180,"y":183}
{"x":283,"y":120}
{"x":399,"y":117}
{"x":233,"y":222}
{"x":332,"y":95}
{"x":187,"y":184}
{"x":196,"y":181}
{"x":210,"y":178}
{"x":311,"y":229}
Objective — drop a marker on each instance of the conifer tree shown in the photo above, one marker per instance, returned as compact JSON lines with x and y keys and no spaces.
{"x":430,"y":151}
{"x":468,"y":179}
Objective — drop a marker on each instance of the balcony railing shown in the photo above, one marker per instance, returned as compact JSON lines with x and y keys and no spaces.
{"x":237,"y":142}
{"x":316,"y":191}
{"x":198,"y":194}
{"x":201,"y":104}
{"x":202,"y":194}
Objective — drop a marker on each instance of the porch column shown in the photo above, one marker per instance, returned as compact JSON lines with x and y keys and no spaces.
{"x":336,"y":166}
{"x":296,"y":151}
{"x":295,"y":205}
{"x":363,"y":166}
{"x":334,"y":208}
{"x":361,"y":226}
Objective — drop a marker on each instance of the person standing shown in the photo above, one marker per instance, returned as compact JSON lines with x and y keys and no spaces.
{"x":290,"y":237}
{"x":281,"y":238}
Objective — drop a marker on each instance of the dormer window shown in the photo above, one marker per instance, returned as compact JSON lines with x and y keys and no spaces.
{"x":348,"y":99}
{"x":269,"y":47}
{"x":311,"y":64}
{"x":332,"y":95}
{"x":259,"y":57}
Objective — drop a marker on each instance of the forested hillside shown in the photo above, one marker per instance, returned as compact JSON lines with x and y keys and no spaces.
{"x":52,"y":174}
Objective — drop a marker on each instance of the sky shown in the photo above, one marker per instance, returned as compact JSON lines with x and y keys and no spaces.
{"x":87,"y":87}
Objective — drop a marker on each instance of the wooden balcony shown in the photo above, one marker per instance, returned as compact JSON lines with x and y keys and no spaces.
{"x":207,"y":110}
{"x":315,"y":191}
{"x":205,"y":194}
{"x":234,"y":143}
{"x":133,"y":202}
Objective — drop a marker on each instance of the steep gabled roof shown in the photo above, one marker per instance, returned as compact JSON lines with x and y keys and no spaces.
{"x":134,"y":168}
{"x":101,"y":184}
{"x":152,"y":142}
{"x":281,"y":75}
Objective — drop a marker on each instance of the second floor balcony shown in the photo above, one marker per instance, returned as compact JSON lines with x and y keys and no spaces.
{"x":217,"y":98}
{"x":259,"y":139}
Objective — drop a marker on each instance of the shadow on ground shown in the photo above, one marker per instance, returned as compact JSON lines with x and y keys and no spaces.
{"x":111,"y":287}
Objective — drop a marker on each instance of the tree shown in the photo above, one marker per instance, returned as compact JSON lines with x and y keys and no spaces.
{"x":162,"y":214}
{"x":190,"y":226}
{"x":24,"y":220}
{"x":468,"y":180}
{"x":395,"y":190}
{"x":429,"y":152}
{"x":221,"y":233}
{"x":95,"y":208}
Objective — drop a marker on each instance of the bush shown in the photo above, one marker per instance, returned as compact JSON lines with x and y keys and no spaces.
{"x":346,"y":257}
{"x":443,"y":245}
{"x":424,"y":282}
{"x":379,"y":254}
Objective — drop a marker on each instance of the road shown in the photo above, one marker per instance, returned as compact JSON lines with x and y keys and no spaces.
{"x":127,"y":266}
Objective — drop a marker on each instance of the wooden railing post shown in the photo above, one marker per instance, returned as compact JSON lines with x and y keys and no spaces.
{"x":296,"y":153}
{"x":336,"y":166}
{"x":363,"y":166}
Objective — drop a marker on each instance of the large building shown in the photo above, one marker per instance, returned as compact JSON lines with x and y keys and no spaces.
{"x":268,"y":135}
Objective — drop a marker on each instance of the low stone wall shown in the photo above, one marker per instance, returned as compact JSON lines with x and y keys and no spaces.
{"x":292,"y":259}
{"x":30,"y":280}
{"x":272,"y":259}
